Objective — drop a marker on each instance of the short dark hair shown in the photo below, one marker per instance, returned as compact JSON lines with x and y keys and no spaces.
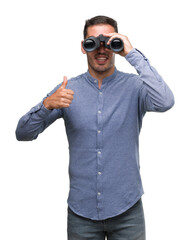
{"x":99,"y":20}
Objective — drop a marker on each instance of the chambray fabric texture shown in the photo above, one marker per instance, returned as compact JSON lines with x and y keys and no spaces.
{"x":103,"y":127}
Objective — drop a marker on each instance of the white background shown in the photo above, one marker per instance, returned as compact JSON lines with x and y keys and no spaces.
{"x":39,"y":44}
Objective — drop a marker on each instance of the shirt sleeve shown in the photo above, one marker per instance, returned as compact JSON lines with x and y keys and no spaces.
{"x":37,"y":120}
{"x":154,"y":93}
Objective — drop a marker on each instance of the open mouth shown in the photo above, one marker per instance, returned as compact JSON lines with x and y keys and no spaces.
{"x":101,"y":59}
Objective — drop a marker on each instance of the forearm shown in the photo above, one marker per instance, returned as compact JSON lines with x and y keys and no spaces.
{"x":35,"y":121}
{"x":159,"y":97}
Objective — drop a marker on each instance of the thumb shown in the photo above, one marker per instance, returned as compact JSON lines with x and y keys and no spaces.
{"x":65,"y":81}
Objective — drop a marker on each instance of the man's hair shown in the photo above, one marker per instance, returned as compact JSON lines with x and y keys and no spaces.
{"x":99,"y":20}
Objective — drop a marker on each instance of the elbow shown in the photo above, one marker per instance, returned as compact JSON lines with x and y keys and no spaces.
{"x":169,"y":100}
{"x":24,"y":136}
{"x":167,"y":104}
{"x":23,"y":133}
{"x":20,"y":136}
{"x":20,"y":133}
{"x":171,"y":103}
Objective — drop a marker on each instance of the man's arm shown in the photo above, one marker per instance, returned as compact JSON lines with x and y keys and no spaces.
{"x":154,"y":95}
{"x":45,"y":113}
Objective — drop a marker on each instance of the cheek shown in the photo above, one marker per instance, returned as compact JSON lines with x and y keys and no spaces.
{"x":112,"y":57}
{"x":90,"y":55}
{"x":110,"y":54}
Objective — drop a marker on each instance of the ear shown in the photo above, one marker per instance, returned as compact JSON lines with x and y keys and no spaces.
{"x":82,"y":49}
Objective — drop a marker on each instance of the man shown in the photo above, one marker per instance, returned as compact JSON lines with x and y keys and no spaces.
{"x":103,"y":111}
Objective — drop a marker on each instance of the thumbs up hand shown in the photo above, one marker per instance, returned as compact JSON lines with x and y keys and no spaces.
{"x":62,"y":98}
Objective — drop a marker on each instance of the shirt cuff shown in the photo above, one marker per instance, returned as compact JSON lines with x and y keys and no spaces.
{"x":41,"y":109}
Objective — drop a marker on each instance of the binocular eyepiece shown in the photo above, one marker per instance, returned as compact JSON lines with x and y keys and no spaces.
{"x":92,"y":43}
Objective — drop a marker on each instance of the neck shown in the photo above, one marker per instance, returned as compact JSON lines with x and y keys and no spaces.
{"x":101,"y":75}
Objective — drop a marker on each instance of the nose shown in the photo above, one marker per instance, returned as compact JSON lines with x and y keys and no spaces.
{"x":102,"y":47}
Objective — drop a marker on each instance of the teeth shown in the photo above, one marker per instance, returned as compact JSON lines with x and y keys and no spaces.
{"x":101,"y":58}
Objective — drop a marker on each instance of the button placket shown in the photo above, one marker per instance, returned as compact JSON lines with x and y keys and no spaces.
{"x":99,"y":150}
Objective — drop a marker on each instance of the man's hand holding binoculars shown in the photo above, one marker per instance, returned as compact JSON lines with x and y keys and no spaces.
{"x":62,"y":98}
{"x":116,"y":42}
{"x":127,"y":47}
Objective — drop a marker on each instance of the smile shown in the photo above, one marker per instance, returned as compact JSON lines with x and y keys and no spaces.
{"x":101,"y":59}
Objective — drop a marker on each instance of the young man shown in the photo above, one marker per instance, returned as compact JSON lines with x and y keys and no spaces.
{"x":103,"y":111}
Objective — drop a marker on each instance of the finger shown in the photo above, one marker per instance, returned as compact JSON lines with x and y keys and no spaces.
{"x":108,"y":34}
{"x":68,"y":96}
{"x":115,"y":36}
{"x":66,"y":105}
{"x":66,"y":100}
{"x":65,"y":81}
{"x":69,"y":91}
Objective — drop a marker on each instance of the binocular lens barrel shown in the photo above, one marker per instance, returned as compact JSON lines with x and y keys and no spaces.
{"x":116,"y":45}
{"x":89,"y":45}
{"x":92,"y":43}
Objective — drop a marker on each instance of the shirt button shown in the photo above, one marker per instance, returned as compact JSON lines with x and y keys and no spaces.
{"x":99,"y":152}
{"x":99,"y":111}
{"x":95,"y":81}
{"x":99,"y":131}
{"x":99,"y":173}
{"x":100,"y":93}
{"x":99,"y":193}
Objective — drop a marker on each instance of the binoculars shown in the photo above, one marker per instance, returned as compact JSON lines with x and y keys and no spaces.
{"x":92,"y":43}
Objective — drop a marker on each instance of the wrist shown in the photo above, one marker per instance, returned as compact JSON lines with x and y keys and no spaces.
{"x":46,"y":104}
{"x":128,"y":51}
{"x":124,"y":53}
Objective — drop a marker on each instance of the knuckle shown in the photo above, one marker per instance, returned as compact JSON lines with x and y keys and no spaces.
{"x":64,"y":90}
{"x":63,"y":94}
{"x":70,"y":97}
{"x":67,"y":101}
{"x":66,"y":105}
{"x":71,"y":91}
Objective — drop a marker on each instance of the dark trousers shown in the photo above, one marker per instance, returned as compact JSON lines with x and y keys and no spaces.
{"x":129,"y":225}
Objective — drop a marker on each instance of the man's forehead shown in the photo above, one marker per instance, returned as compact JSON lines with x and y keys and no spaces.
{"x":96,"y":30}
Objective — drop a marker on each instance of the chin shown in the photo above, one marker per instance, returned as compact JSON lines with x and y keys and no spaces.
{"x":102,"y":68}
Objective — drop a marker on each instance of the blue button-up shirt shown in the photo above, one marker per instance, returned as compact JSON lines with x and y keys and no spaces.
{"x":103,"y":126}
